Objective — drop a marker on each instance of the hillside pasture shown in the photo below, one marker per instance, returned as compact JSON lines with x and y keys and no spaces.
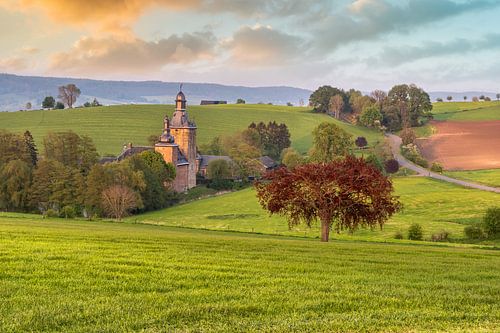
{"x":466,"y":111}
{"x":436,"y":205}
{"x":113,"y":126}
{"x":69,"y":276}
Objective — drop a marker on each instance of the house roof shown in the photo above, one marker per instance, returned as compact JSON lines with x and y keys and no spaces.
{"x":132,"y":151}
{"x":268,"y":162}
{"x":205,"y":159}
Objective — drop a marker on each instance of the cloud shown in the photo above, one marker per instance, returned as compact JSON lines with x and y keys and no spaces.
{"x":262,"y":46}
{"x":13,"y":64}
{"x":368,"y":19}
{"x":400,"y":55}
{"x":30,"y":50}
{"x":113,"y":55}
{"x":114,"y":15}
{"x":105,"y":13}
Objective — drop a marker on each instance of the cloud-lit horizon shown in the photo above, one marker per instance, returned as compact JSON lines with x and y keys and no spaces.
{"x":365,"y":44}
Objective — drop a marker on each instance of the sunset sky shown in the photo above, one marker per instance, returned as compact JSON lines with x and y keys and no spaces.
{"x":365,"y":44}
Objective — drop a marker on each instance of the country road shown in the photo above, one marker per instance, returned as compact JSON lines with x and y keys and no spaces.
{"x":395,"y":142}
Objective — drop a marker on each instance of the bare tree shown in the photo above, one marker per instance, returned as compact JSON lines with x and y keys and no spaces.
{"x":336,"y":105}
{"x":118,"y":200}
{"x":68,"y":94}
{"x":379,"y":96}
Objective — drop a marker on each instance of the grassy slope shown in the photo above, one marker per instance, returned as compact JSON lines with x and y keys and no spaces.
{"x":113,"y":126}
{"x":467,"y":111}
{"x":83,"y":276}
{"x":435,"y":205}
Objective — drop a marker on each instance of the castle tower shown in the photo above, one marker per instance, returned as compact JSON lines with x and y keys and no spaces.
{"x":184,"y":132}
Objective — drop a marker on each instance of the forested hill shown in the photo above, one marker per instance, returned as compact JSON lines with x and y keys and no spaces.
{"x":16,"y":91}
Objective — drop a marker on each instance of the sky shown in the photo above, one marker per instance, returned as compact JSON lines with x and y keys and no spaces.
{"x":451,"y":45}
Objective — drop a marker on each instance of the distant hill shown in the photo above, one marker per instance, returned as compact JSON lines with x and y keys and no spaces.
{"x":16,"y":91}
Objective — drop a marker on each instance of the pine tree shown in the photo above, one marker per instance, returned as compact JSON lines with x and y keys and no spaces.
{"x":31,"y":147}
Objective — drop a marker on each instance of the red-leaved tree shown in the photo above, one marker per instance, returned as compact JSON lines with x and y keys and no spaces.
{"x":342,"y":194}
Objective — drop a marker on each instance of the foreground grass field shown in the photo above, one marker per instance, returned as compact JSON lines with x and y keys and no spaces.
{"x":435,"y":205}
{"x":113,"y":126}
{"x":466,"y":111}
{"x":70,"y":276}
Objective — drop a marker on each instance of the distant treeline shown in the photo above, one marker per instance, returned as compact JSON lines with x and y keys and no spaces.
{"x":403,"y":106}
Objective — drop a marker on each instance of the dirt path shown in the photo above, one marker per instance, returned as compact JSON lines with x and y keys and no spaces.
{"x":395,"y":142}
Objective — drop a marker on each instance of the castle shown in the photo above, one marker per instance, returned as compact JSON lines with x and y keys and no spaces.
{"x":177,"y":145}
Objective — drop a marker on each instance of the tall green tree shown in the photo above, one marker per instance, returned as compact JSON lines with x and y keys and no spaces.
{"x":15,"y":179}
{"x":320,"y":98}
{"x":55,"y":186}
{"x":370,"y":116}
{"x":13,"y":147}
{"x":405,"y":104}
{"x":31,"y":147}
{"x":48,"y":102}
{"x":71,"y":150}
{"x":329,"y":143}
{"x":218,"y":170}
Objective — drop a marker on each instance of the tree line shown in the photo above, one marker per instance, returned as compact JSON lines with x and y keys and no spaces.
{"x":66,"y":179}
{"x":68,"y":94}
{"x":403,"y":106}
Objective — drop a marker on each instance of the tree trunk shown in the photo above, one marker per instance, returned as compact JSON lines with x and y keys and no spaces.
{"x":325,"y":231}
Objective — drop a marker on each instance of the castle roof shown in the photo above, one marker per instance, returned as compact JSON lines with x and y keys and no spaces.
{"x":180,"y":96}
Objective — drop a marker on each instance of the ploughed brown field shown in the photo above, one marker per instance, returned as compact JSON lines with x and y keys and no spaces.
{"x":463,"y":145}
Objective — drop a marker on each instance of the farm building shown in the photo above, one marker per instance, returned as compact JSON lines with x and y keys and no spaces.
{"x":204,"y":102}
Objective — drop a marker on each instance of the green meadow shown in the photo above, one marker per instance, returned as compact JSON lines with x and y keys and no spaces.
{"x":466,"y":111}
{"x":436,"y":205}
{"x":113,"y":126}
{"x":489,"y":177}
{"x":70,"y":276}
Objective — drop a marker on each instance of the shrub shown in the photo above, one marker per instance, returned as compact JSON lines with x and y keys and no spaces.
{"x":412,"y":153}
{"x":491,"y":222}
{"x":398,"y":235}
{"x":361,"y":142}
{"x":408,"y":136}
{"x":473,"y":232}
{"x":68,"y":212}
{"x":221,"y":184}
{"x":391,"y":166}
{"x":440,"y":236}
{"x":415,"y":232}
{"x":370,"y":116}
{"x":436,"y":167}
{"x":422,"y":162}
{"x":373,"y":160}
{"x":51,"y":213}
